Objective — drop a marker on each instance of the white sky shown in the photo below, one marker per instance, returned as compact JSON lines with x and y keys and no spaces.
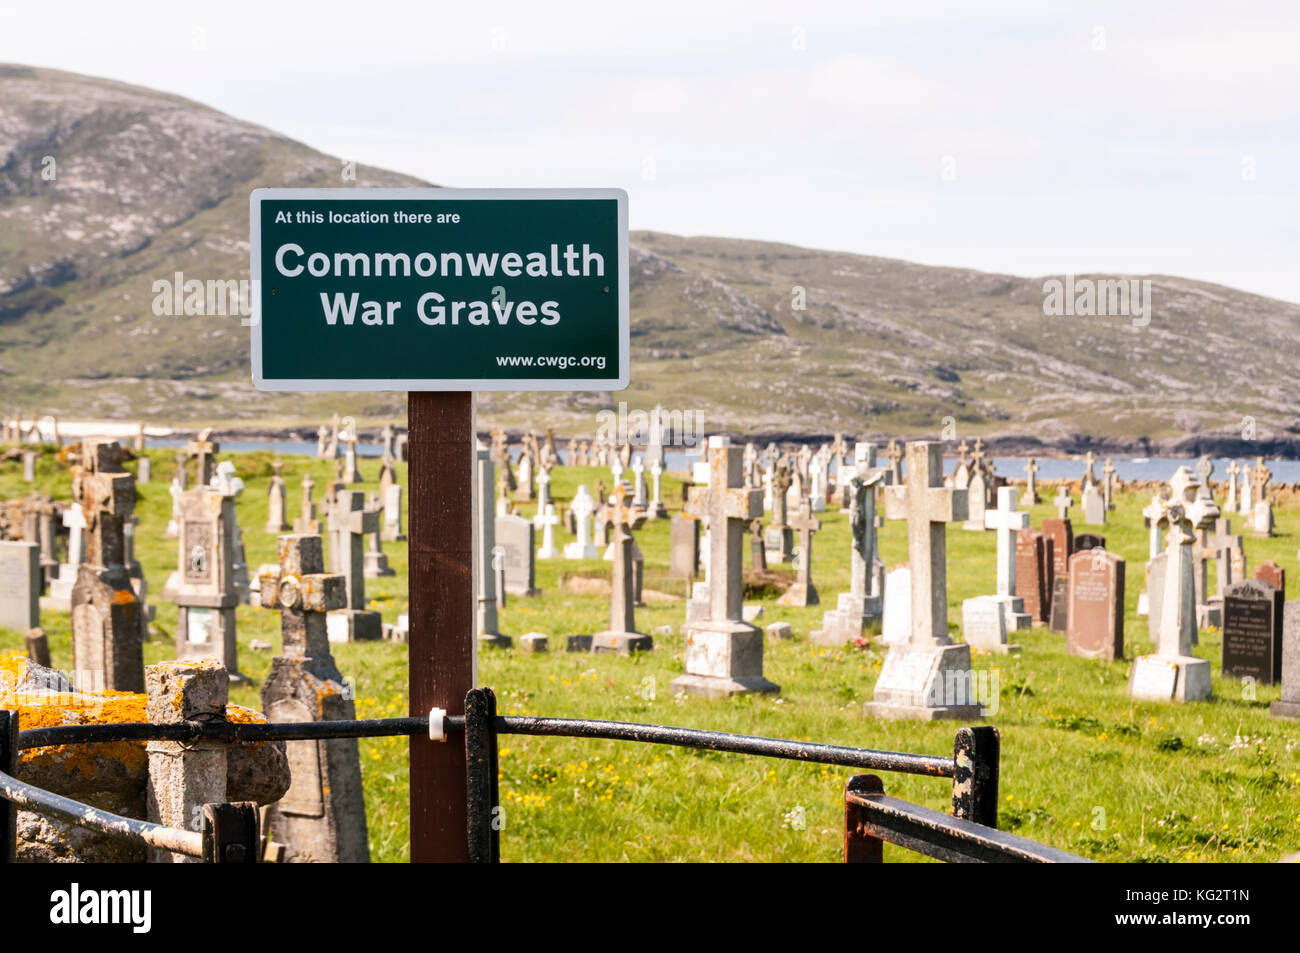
{"x":1135,"y":157}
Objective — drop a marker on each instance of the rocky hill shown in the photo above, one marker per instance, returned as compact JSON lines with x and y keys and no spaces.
{"x":106,"y":187}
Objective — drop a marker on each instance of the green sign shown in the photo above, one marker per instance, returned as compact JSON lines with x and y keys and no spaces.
{"x":439,"y":289}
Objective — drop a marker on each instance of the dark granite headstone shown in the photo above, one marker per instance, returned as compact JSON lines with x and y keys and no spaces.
{"x":1096,"y":613}
{"x":1252,"y":631}
{"x":1060,"y":617}
{"x":1088,"y":541}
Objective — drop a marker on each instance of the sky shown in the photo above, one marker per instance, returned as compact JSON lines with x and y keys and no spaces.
{"x":1031,"y":138}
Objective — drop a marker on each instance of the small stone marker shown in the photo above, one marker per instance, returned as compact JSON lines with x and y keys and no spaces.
{"x":322,"y":818}
{"x":984,"y":625}
{"x":29,"y":466}
{"x":534,"y":642}
{"x":1252,"y":631}
{"x":1096,"y":592}
{"x":780,"y":631}
{"x":928,"y":676}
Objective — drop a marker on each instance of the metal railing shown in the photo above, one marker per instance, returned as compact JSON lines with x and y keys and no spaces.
{"x":231,"y":833}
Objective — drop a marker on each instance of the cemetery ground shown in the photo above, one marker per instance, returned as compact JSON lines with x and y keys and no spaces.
{"x":1084,"y":767}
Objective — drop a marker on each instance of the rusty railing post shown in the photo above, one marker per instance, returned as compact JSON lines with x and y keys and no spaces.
{"x":482,"y":807}
{"x":9,"y":765}
{"x":231,"y":833}
{"x":859,"y":846}
{"x":975,"y":783}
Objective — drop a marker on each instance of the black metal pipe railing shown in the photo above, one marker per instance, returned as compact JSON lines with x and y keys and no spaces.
{"x":31,"y":798}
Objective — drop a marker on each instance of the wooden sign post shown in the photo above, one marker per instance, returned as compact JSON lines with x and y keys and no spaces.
{"x":439,"y":293}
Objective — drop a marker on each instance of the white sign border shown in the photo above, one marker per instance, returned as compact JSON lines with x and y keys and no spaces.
{"x":255,"y":200}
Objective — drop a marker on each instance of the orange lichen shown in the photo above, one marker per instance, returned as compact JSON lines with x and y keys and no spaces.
{"x":48,"y":709}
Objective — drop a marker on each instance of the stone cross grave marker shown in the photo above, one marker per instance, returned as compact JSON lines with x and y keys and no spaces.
{"x":1230,"y":505}
{"x":866,"y":595}
{"x":349,"y":524}
{"x":928,"y":676}
{"x":1031,"y":484}
{"x":1008,"y":521}
{"x":724,"y":654}
{"x":582,"y":508}
{"x":307,"y":524}
{"x":1173,"y":673}
{"x":621,"y":637}
{"x":376,"y":565}
{"x":322,"y":817}
{"x":656,"y":509}
{"x":803,"y":592}
{"x":1108,"y":483}
{"x":1063,"y":502}
{"x":548,"y":520}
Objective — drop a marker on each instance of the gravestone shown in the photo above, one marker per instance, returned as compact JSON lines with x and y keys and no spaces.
{"x":60,"y":597}
{"x":656,"y":509}
{"x":1063,"y":501}
{"x":779,"y":538}
{"x":757,"y":547}
{"x":984,"y":625}
{"x":548,"y":520}
{"x":1096,"y":616}
{"x":306,"y":523}
{"x":29,"y":466}
{"x":866,"y":594}
{"x":1094,"y":506}
{"x":392,"y":499}
{"x":928,"y":676}
{"x":106,"y":612}
{"x":351,"y":473}
{"x":1088,"y":541}
{"x":203,"y":586}
{"x":1252,"y":631}
{"x":1108,"y":484}
{"x":621,"y":637}
{"x":683,"y":547}
{"x":977,"y":496}
{"x":724,"y":654}
{"x":803,"y":592}
{"x":144,"y":471}
{"x":376,"y":562}
{"x":1273,"y":574}
{"x":1062,"y":534}
{"x":20,"y":585}
{"x":322,"y":817}
{"x":582,"y":508}
{"x":1008,"y":521}
{"x":896,"y":621}
{"x":1034,"y":573}
{"x":275,"y":502}
{"x":1030,"y":497}
{"x":1289,"y":704}
{"x":515,"y":538}
{"x":1262,"y":520}
{"x":1173,"y":673}
{"x":349,"y":524}
{"x":488,"y":591}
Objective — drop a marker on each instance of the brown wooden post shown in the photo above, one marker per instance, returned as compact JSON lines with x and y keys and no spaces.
{"x":441,"y":648}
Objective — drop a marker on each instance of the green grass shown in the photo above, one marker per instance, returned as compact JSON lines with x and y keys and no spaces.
{"x":1084,"y":768}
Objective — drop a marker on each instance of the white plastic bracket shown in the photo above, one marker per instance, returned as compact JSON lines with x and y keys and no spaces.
{"x":436,"y":730}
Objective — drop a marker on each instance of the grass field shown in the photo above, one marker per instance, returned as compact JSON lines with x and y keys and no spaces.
{"x":1084,"y":768}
